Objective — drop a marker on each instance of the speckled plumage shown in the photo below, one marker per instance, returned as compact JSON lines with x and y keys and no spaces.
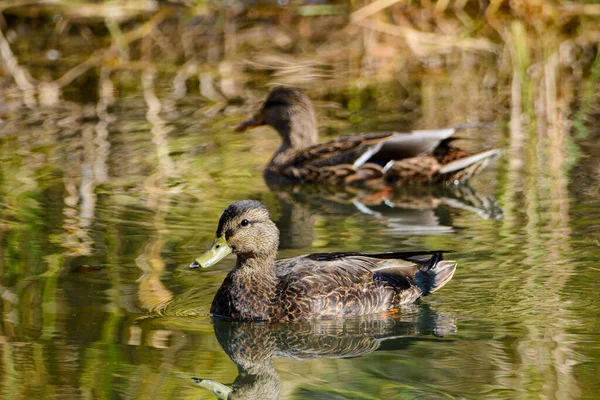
{"x":322,"y":285}
{"x":390,"y":158}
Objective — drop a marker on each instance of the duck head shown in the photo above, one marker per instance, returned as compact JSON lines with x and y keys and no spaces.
{"x":246,"y":230}
{"x":291,"y":113}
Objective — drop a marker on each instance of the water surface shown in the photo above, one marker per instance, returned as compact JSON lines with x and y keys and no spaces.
{"x":113,"y":182}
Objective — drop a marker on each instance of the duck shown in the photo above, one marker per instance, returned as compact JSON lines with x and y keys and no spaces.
{"x":312,"y":286}
{"x":373,"y":160}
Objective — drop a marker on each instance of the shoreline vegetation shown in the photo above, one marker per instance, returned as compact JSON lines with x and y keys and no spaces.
{"x":50,"y":48}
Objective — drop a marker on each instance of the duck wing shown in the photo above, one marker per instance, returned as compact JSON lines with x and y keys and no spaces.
{"x":359,"y":159}
{"x":334,"y":284}
{"x":334,"y":162}
{"x":416,"y":143}
{"x":385,"y":146}
{"x":345,"y":150}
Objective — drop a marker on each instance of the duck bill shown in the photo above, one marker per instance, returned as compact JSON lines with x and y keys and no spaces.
{"x":220,"y":390}
{"x":219,"y":250}
{"x":252,"y":122}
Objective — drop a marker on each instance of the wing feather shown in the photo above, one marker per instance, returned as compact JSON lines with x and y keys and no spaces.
{"x":331,"y":284}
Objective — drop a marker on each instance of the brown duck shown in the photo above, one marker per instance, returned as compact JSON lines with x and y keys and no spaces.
{"x":371,"y":160}
{"x":322,"y":285}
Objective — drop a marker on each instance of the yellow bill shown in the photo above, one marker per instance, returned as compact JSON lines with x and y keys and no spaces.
{"x":252,"y":122}
{"x":220,"y":390}
{"x":219,"y":250}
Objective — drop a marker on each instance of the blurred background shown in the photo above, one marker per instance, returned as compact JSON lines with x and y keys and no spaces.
{"x":117,"y":157}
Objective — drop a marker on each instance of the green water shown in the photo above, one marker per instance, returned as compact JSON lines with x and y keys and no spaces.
{"x":108,"y":194}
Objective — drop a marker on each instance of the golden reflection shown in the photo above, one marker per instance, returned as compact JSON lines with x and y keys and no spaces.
{"x":80,"y":201}
{"x":538,"y":171}
{"x":160,"y":129}
{"x":152,"y":292}
{"x":106,"y":99}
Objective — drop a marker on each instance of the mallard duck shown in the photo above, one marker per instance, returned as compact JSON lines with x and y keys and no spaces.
{"x":368,"y":160}
{"x":322,"y":285}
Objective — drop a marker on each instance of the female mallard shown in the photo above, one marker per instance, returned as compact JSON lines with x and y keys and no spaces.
{"x":314,"y":285}
{"x":374,"y":159}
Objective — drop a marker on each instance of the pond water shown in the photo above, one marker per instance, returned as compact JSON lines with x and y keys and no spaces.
{"x":112,"y":182}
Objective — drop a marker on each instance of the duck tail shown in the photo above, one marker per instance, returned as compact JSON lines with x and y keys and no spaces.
{"x":434,"y":273}
{"x":464,"y":168}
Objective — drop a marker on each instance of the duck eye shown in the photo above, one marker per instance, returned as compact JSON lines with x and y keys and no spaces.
{"x":244,"y":222}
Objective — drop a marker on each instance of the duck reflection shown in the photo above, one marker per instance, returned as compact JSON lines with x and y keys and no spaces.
{"x":414,"y":210}
{"x":253,"y":346}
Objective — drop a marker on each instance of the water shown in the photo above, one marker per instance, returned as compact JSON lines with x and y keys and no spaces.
{"x":109,"y":191}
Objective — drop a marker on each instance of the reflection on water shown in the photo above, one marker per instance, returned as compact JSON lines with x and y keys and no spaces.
{"x":252,"y":346}
{"x":117,"y":154}
{"x":420,"y":210}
